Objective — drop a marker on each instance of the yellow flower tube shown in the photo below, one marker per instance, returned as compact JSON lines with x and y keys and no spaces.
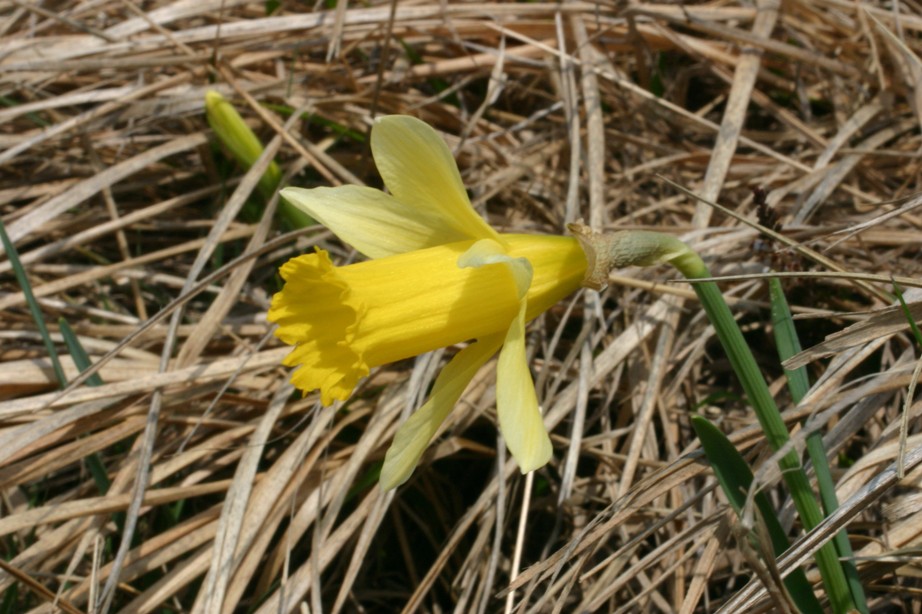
{"x":438,"y":276}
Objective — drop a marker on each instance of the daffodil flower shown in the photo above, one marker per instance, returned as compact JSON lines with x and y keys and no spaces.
{"x":437,"y":275}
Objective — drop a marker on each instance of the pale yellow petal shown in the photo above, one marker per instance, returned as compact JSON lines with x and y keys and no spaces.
{"x":414,"y":435}
{"x":420,"y":171}
{"x":516,"y":403}
{"x":374,"y":223}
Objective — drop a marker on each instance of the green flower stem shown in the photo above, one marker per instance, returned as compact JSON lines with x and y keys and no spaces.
{"x":643,"y":248}
{"x":744,"y":364}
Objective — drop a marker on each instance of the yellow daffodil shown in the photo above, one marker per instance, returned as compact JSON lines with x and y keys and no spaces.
{"x":438,"y":275}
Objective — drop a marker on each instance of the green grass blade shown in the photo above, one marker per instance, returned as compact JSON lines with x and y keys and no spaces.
{"x":10,"y":599}
{"x":735,"y":479}
{"x":906,"y":312}
{"x":75,"y":348}
{"x":787,"y":340}
{"x":911,"y":390}
{"x":799,"y":383}
{"x":79,"y":355}
{"x":32,"y":303}
{"x":82,"y":360}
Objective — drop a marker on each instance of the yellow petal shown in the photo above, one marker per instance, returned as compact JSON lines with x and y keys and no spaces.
{"x":559,"y":266}
{"x":414,"y":435}
{"x":516,"y":403}
{"x":374,"y":223}
{"x":420,"y":171}
{"x":487,"y":251}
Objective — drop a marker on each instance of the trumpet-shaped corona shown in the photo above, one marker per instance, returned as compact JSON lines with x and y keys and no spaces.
{"x":438,"y":275}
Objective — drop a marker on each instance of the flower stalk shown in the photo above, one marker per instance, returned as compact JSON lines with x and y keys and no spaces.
{"x":637,"y":248}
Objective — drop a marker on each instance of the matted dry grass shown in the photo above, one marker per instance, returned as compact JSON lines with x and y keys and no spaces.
{"x":136,"y":229}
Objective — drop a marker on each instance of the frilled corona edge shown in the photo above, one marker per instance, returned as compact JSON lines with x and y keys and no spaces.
{"x":317,"y":314}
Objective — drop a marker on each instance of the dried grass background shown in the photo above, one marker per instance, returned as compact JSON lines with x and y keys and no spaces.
{"x":238,"y":495}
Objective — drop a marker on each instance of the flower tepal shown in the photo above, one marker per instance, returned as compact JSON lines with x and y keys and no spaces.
{"x":437,"y":275}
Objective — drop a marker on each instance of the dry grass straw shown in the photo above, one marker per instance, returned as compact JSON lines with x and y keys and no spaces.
{"x":135,"y":228}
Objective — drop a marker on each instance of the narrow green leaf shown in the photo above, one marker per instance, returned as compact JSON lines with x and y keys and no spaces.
{"x":735,"y":480}
{"x":645,"y":248}
{"x":100,"y":476}
{"x":906,"y":312}
{"x":10,"y":599}
{"x":776,"y":433}
{"x":32,"y":303}
{"x":799,"y":383}
{"x":79,"y":355}
{"x":82,"y":361}
{"x":787,"y":340}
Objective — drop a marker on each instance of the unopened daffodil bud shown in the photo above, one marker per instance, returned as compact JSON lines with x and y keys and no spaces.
{"x":237,"y":137}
